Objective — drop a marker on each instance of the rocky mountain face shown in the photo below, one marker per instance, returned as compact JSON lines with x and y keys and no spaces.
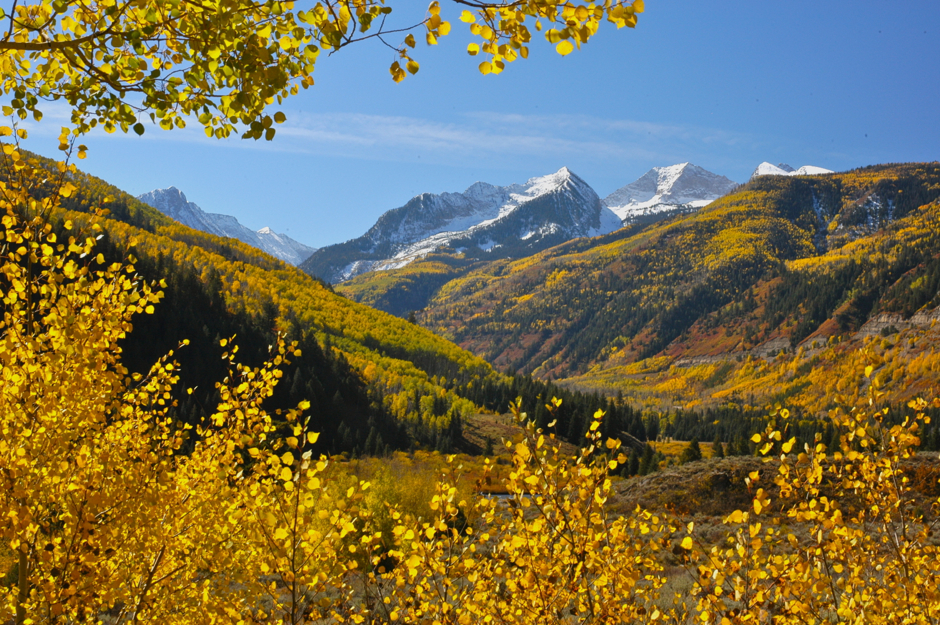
{"x":664,"y":191}
{"x":485,"y":221}
{"x":173,"y":203}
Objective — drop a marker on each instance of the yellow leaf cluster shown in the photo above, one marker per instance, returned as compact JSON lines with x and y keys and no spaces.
{"x":117,"y":63}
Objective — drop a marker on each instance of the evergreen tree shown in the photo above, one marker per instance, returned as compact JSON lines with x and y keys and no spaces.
{"x":692,"y":452}
{"x":718,"y":448}
{"x":633,"y":462}
{"x":646,"y":461}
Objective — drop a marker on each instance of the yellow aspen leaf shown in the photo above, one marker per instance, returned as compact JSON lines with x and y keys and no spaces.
{"x":444,"y":29}
{"x":312,"y":437}
{"x":687,"y":543}
{"x":410,"y":40}
{"x":398,"y":74}
{"x":473,"y":49}
{"x":468,"y":17}
{"x":413,"y":66}
{"x":486,"y":67}
{"x":638,"y":6}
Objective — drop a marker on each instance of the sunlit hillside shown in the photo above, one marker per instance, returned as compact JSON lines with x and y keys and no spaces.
{"x":676,"y":313}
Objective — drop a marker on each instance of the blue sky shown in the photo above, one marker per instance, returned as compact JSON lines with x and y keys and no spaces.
{"x":724,"y":85}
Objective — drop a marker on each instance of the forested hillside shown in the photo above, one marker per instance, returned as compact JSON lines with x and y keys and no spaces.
{"x":782,"y":261}
{"x":374,"y":381}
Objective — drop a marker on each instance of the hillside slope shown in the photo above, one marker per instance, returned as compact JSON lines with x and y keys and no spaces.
{"x":368,"y":372}
{"x":635,"y":299}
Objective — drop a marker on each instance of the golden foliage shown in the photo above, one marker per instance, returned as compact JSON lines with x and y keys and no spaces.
{"x":844,"y":543}
{"x":115,"y":513}
{"x":113,"y":62}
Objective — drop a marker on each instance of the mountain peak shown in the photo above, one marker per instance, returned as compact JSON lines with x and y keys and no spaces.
{"x":767,"y":169}
{"x":173,"y":203}
{"x":683,"y":186}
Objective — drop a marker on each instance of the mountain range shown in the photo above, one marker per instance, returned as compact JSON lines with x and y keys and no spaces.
{"x":485,"y":221}
{"x":173,"y":203}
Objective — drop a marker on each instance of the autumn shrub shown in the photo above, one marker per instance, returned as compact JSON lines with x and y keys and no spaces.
{"x":861,"y":553}
{"x":549,"y":552}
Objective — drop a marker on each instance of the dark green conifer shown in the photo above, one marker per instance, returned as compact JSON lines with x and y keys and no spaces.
{"x":692,"y":452}
{"x":718,"y":448}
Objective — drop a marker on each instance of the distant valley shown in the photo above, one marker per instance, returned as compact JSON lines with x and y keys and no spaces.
{"x":784,"y":289}
{"x":682,"y":289}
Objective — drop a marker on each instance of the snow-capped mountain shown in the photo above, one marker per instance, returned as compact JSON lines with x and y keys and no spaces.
{"x":485,"y":220}
{"x":766,"y":169}
{"x":667,"y":190}
{"x":172,"y":203}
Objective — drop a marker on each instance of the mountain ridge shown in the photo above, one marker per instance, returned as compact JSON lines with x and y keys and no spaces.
{"x":484,"y":221}
{"x":173,"y":203}
{"x":767,"y":169}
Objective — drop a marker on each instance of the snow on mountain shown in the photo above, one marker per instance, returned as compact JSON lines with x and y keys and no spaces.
{"x":811,"y":170}
{"x":173,"y":203}
{"x":766,"y":169}
{"x":677,"y":188}
{"x":517,"y":219}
